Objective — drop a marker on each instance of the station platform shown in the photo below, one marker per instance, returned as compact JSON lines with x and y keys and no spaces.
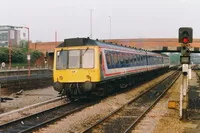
{"x":12,"y":72}
{"x":194,"y":103}
{"x":16,"y":78}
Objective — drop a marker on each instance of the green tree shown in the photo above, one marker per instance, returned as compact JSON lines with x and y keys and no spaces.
{"x":3,"y":54}
{"x":19,"y":55}
{"x":35,"y":55}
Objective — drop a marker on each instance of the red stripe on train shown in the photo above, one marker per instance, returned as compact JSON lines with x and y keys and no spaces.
{"x":137,"y":70}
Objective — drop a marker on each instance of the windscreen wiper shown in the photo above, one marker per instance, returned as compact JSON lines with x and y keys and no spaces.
{"x":85,"y":51}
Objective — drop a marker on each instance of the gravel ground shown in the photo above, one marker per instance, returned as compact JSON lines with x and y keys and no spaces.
{"x":27,"y":98}
{"x":194,"y":97}
{"x":81,"y":120}
{"x":165,"y":120}
{"x":30,"y":111}
{"x":160,"y":118}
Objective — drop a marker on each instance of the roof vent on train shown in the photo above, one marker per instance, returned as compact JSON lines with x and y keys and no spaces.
{"x":74,"y":42}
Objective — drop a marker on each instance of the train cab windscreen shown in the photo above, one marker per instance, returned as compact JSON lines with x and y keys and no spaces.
{"x":70,"y":59}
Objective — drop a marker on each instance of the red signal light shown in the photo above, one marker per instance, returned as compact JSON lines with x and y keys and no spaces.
{"x":185,"y":40}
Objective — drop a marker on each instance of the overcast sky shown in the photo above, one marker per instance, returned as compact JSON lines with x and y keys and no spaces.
{"x":129,"y":18}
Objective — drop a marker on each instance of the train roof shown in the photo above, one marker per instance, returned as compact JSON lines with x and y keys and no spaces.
{"x":89,"y":42}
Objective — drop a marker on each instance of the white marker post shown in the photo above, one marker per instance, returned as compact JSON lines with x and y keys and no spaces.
{"x":183,"y":93}
{"x":190,"y":72}
{"x":0,"y":96}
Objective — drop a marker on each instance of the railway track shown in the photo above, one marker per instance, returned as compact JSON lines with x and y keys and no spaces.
{"x":30,"y":107}
{"x":35,"y":121}
{"x":125,"y":118}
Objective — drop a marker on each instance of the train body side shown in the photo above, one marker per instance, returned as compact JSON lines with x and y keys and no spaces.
{"x":117,"y":63}
{"x":84,"y":64}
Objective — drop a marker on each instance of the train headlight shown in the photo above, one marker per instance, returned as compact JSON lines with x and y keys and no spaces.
{"x":60,"y":77}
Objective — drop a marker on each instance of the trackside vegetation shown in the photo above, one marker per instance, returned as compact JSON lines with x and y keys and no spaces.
{"x":19,"y":55}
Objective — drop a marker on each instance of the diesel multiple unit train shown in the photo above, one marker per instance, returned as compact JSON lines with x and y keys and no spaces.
{"x":83,"y":66}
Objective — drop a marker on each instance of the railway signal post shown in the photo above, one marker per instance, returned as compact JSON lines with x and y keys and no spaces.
{"x":185,"y":38}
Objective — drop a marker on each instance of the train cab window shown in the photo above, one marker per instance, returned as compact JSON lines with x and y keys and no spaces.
{"x":88,"y":59}
{"x":74,"y":59}
{"x":61,"y":60}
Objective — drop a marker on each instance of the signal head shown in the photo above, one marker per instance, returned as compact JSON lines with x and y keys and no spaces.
{"x":185,"y":40}
{"x":185,"y":35}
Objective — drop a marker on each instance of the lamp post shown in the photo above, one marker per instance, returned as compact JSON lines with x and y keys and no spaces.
{"x":55,"y":36}
{"x":110,"y":25}
{"x":28,"y":55}
{"x":91,"y":23}
{"x":10,"y":52}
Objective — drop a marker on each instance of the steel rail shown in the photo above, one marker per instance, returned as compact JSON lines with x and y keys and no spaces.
{"x":152,"y":105}
{"x":42,"y":118}
{"x":138,"y":118}
{"x":32,"y":106}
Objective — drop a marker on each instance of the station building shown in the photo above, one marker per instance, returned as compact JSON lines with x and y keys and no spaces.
{"x":9,"y":35}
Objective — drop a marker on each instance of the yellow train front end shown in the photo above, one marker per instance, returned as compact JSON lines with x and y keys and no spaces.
{"x":76,"y":69}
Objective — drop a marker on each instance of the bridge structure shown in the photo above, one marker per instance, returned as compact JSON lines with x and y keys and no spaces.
{"x":157,"y":44}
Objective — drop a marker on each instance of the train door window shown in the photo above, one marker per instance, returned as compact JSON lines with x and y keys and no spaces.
{"x":121,"y":59}
{"x":126,"y":58}
{"x":150,"y":61}
{"x":88,"y":59}
{"x":135,"y":60}
{"x":130,"y":59}
{"x":118,"y":60}
{"x":138,"y":60}
{"x":115,"y":59}
{"x":111,"y":59}
{"x":108,"y":60}
{"x":61,"y":59}
{"x":141,"y":61}
{"x":74,"y":59}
